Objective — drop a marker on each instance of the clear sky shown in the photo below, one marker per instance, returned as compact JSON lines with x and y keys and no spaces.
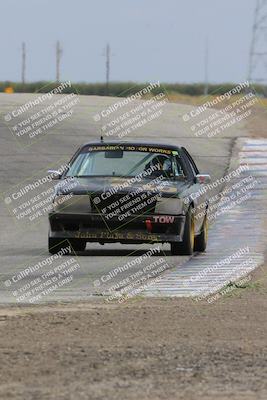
{"x":150,"y":39}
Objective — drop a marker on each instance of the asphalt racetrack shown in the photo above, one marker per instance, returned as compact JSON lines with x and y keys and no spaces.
{"x":24,"y":244}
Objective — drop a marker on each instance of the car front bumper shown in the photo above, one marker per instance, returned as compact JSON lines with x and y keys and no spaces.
{"x":137,"y":229}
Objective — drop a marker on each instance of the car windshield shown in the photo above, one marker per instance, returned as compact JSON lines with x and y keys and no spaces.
{"x":124,"y":163}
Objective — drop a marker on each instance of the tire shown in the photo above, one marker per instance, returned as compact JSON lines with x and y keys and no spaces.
{"x":186,"y":247}
{"x":202,"y":239}
{"x":78,"y":245}
{"x":55,"y":245}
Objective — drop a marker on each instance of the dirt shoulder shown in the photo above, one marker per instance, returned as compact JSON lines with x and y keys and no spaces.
{"x":144,"y":349}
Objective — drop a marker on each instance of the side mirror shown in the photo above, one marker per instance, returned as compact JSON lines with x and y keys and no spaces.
{"x":202,"y":179}
{"x":55,"y":175}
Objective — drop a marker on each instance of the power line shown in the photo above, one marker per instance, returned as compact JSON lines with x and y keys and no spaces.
{"x":258,"y":49}
{"x":206,"y":67}
{"x":59,"y":52}
{"x":107,"y":68}
{"x":23,"y":64}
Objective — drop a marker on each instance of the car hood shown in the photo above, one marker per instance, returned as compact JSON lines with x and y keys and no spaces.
{"x":114,"y":185}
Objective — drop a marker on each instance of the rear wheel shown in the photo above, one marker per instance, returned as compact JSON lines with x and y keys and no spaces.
{"x":202,"y":239}
{"x":55,"y":245}
{"x":186,"y":247}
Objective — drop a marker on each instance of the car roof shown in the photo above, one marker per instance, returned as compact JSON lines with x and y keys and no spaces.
{"x":133,"y":143}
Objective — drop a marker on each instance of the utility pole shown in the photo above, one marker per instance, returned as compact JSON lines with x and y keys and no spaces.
{"x":59,"y":52}
{"x":23,"y":64}
{"x":206,"y":67}
{"x":257,"y":71}
{"x":107,"y":68}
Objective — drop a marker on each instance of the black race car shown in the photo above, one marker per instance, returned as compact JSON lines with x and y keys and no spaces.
{"x":129,"y":192}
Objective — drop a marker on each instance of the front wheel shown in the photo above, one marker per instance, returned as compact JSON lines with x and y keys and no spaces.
{"x":78,"y":244}
{"x":56,"y":245}
{"x":186,"y":247}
